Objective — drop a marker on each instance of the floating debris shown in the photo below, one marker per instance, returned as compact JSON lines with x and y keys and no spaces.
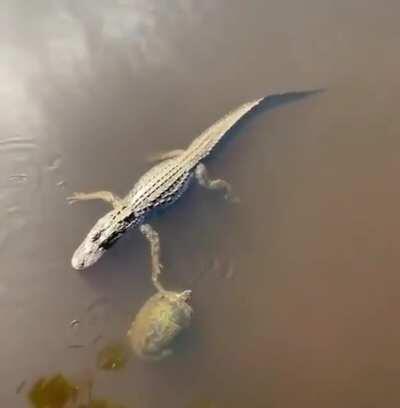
{"x":113,"y":356}
{"x":61,"y":183}
{"x":76,"y":346}
{"x":74,"y":323}
{"x":53,"y":392}
{"x":20,"y":387}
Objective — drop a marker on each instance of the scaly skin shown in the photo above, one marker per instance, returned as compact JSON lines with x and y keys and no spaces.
{"x":160,"y":320}
{"x":161,"y":186}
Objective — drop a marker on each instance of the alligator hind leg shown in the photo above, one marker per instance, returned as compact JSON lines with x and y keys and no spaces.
{"x":106,"y":196}
{"x":202,"y":177}
{"x":165,"y":155}
{"x":154,"y":239}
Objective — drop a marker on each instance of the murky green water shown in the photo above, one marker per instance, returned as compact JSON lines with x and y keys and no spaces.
{"x":295,"y":290}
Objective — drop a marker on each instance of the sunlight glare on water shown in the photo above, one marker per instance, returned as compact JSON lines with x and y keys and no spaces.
{"x":295,"y":289}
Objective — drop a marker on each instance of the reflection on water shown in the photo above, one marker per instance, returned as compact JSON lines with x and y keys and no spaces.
{"x":89,"y":89}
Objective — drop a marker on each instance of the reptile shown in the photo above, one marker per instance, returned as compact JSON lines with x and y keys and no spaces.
{"x":164,"y":315}
{"x":161,"y":186}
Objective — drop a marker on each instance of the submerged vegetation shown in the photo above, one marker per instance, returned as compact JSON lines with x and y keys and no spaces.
{"x":114,"y":356}
{"x":59,"y":392}
{"x":53,"y":392}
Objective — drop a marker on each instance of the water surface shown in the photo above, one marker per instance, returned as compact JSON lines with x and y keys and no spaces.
{"x":296,"y":290}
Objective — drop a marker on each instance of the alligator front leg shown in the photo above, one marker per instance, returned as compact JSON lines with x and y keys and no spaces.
{"x":106,"y":196}
{"x":202,"y":177}
{"x":165,"y":155}
{"x":154,"y":239}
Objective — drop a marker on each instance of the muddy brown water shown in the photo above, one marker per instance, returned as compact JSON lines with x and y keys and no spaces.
{"x":296,"y":290}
